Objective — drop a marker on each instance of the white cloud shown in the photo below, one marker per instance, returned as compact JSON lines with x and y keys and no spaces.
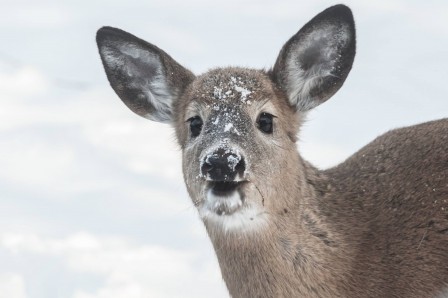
{"x":23,"y":81}
{"x":50,"y":146}
{"x":429,"y":18}
{"x":31,"y":15}
{"x":127,"y":270}
{"x":88,"y":153}
{"x":34,"y":163}
{"x":323,"y":155}
{"x":12,"y":286}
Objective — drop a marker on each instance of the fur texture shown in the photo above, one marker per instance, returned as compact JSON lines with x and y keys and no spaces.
{"x":374,"y":226}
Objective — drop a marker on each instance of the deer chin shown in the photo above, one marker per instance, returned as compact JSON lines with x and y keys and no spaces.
{"x":225,"y":206}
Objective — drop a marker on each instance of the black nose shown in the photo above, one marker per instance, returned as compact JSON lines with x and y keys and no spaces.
{"x":222,"y":165}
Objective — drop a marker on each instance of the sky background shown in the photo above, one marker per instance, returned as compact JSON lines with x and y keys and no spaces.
{"x":92,"y":201}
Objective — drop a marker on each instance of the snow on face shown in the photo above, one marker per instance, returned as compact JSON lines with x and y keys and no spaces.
{"x":234,"y":88}
{"x":229,"y":94}
{"x":222,"y":98}
{"x":227,"y":100}
{"x":228,"y":126}
{"x":233,"y":158}
{"x":226,"y":119}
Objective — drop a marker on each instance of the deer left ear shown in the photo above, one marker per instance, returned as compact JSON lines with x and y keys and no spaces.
{"x":315,"y":62}
{"x":146,"y":78}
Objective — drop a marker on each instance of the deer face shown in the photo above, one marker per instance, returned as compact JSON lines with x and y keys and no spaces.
{"x":237,"y":127}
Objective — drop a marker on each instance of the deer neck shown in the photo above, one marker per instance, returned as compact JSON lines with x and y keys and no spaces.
{"x":287,"y":257}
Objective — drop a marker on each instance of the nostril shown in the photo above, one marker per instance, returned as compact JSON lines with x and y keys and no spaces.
{"x":206,"y":167}
{"x":241,"y":166}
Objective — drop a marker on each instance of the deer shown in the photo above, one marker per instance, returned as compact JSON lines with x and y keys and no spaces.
{"x":375,"y":225}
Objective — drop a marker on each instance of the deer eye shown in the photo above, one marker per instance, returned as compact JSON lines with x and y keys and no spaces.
{"x":265,"y":123}
{"x":195,"y":126}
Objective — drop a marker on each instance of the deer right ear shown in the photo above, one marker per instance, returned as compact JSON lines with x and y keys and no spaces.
{"x":315,"y":62}
{"x":146,"y":79}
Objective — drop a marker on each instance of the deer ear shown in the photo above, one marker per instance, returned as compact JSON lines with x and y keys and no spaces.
{"x":315,"y":62}
{"x":146,"y":79}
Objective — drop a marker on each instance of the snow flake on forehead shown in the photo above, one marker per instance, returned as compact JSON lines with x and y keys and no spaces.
{"x":232,"y":85}
{"x":238,"y":88}
{"x":228,"y":126}
{"x":235,"y":88}
{"x":217,"y":93}
{"x":226,"y":119}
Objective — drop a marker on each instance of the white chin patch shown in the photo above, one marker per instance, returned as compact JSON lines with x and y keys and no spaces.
{"x":229,"y":213}
{"x":222,"y":205}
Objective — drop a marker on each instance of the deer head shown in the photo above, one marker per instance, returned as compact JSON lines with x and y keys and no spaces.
{"x":237,"y":127}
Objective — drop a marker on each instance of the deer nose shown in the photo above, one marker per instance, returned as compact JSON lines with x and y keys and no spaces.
{"x":222,"y":165}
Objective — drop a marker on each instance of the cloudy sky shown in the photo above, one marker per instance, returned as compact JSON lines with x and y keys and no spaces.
{"x":92,"y":203}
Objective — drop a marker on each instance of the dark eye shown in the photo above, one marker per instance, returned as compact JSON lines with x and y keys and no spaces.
{"x":195,"y":126}
{"x":265,"y":123}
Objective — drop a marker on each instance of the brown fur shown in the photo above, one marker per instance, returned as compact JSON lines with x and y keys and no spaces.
{"x":374,"y":226}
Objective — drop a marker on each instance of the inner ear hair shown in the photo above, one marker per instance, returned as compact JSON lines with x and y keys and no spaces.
{"x":315,"y":62}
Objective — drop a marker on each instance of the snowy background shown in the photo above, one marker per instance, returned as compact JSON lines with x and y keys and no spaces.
{"x":92,"y":202}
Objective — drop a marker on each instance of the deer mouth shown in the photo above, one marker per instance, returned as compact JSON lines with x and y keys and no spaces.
{"x":224,"y":197}
{"x":224,"y":188}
